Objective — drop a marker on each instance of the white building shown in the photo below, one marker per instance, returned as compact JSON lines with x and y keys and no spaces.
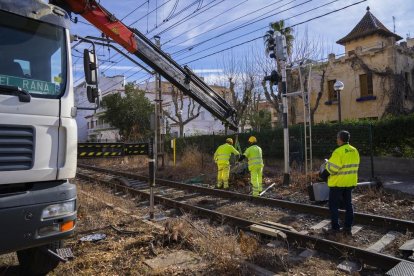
{"x":205,"y":123}
{"x":91,"y":126}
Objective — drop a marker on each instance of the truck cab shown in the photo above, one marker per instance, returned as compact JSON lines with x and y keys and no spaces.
{"x":38,"y":133}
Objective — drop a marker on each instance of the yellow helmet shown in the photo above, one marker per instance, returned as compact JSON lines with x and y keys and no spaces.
{"x":229,"y":140}
{"x":252,"y":140}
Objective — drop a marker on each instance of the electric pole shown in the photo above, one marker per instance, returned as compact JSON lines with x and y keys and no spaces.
{"x":277,"y":49}
{"x":158,"y":143}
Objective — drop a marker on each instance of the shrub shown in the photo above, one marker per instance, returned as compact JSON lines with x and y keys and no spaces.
{"x":390,"y":136}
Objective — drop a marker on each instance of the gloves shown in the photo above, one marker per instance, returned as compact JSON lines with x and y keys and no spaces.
{"x":242,"y":157}
{"x":324,"y":175}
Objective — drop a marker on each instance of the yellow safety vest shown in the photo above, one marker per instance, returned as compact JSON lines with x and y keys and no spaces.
{"x":223,"y":153}
{"x":254,"y":155}
{"x":343,"y":167}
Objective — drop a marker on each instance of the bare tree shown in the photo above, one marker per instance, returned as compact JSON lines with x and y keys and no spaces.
{"x":303,"y":51}
{"x":192,"y":110}
{"x":241,"y":77}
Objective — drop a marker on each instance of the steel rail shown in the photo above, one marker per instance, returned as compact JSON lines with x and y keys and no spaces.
{"x":362,"y":218}
{"x":333,"y":248}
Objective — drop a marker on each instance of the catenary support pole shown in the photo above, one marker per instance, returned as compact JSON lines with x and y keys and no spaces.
{"x":157,"y":106}
{"x":151,"y":166}
{"x":286,"y":176}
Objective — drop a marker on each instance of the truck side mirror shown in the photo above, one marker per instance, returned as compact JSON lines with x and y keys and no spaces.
{"x":92,"y":93}
{"x":90,"y":67}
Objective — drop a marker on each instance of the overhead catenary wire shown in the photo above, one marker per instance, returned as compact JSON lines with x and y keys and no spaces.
{"x":191,"y":16}
{"x":294,"y":25}
{"x":148,"y":13}
{"x":172,"y":10}
{"x":134,"y":10}
{"x":231,"y":21}
{"x":259,"y":29}
{"x":173,"y":16}
{"x":198,"y":1}
{"x":215,"y":16}
{"x":244,"y":25}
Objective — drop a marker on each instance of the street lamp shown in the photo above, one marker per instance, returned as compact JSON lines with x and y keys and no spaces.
{"x":338,"y":87}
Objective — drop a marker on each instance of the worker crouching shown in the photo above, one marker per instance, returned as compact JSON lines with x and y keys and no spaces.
{"x":222,"y":159}
{"x":255,"y":161}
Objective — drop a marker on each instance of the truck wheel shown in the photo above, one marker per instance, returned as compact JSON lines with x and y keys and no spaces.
{"x":35,"y":261}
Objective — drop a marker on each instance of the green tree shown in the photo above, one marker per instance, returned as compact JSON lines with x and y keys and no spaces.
{"x":259,"y":119}
{"x":279,"y":26}
{"x":130,"y":113}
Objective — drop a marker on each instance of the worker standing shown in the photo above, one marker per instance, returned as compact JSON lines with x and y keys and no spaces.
{"x":341,"y":170}
{"x":255,"y":160}
{"x":222,"y":159}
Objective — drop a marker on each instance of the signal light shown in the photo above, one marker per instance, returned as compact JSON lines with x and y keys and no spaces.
{"x":274,"y":77}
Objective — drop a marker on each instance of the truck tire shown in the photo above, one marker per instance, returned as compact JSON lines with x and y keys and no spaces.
{"x":35,"y":261}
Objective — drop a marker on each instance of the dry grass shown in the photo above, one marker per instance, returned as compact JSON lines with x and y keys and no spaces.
{"x":127,"y":162}
{"x":191,"y":159}
{"x":218,"y":248}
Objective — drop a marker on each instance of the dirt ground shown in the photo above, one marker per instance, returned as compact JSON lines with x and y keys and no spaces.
{"x":196,"y":167}
{"x":130,"y":244}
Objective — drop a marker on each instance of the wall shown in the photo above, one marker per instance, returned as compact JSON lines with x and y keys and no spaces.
{"x":372,"y":41}
{"x":385,"y":166}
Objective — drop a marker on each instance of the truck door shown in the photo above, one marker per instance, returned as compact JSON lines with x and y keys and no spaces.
{"x":33,"y":74}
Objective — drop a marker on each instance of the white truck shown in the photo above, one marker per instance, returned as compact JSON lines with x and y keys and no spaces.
{"x":38,"y":133}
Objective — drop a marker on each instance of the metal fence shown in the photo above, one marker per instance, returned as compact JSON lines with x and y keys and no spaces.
{"x":271,"y":142}
{"x":89,"y":150}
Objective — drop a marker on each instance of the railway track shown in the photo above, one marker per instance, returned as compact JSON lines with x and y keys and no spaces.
{"x":211,"y":203}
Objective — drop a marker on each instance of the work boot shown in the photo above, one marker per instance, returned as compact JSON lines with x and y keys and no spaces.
{"x":347,"y":232}
{"x":331,"y":232}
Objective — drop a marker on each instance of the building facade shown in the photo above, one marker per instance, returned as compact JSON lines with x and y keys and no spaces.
{"x":377,"y":72}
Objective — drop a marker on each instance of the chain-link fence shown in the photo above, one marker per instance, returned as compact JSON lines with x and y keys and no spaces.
{"x":387,"y":137}
{"x":271,"y":142}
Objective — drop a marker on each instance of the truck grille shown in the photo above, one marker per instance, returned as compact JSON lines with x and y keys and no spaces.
{"x":16,"y":148}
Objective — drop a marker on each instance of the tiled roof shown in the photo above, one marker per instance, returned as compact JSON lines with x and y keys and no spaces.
{"x":368,"y":25}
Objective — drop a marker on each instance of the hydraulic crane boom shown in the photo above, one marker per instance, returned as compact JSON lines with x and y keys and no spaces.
{"x":139,"y":45}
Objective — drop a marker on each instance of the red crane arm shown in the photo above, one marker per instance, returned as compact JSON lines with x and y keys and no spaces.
{"x":139,"y":45}
{"x":104,"y":21}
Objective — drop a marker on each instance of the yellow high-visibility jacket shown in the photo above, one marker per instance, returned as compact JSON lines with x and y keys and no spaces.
{"x":223,"y":153}
{"x":254,"y":155}
{"x":343,"y":167}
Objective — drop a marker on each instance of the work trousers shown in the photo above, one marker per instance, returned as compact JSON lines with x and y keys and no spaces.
{"x":341,"y":196}
{"x":223,"y":174}
{"x":256,"y":176}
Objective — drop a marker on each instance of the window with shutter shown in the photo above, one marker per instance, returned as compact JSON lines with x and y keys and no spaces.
{"x":332,"y":96}
{"x":366,"y":85}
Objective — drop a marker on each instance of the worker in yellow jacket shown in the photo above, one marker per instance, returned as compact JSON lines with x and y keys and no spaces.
{"x":222,"y":159}
{"x":341,"y":171}
{"x":255,"y":160}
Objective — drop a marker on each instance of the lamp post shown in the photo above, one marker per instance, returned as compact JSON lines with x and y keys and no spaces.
{"x":338,"y":87}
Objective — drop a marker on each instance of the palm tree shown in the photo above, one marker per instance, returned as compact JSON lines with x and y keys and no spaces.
{"x":279,"y":26}
{"x":274,"y":97}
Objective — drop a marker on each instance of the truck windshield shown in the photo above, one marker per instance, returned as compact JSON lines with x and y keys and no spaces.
{"x":32,"y":56}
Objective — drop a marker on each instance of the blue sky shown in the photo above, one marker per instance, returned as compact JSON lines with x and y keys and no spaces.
{"x":209,"y":15}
